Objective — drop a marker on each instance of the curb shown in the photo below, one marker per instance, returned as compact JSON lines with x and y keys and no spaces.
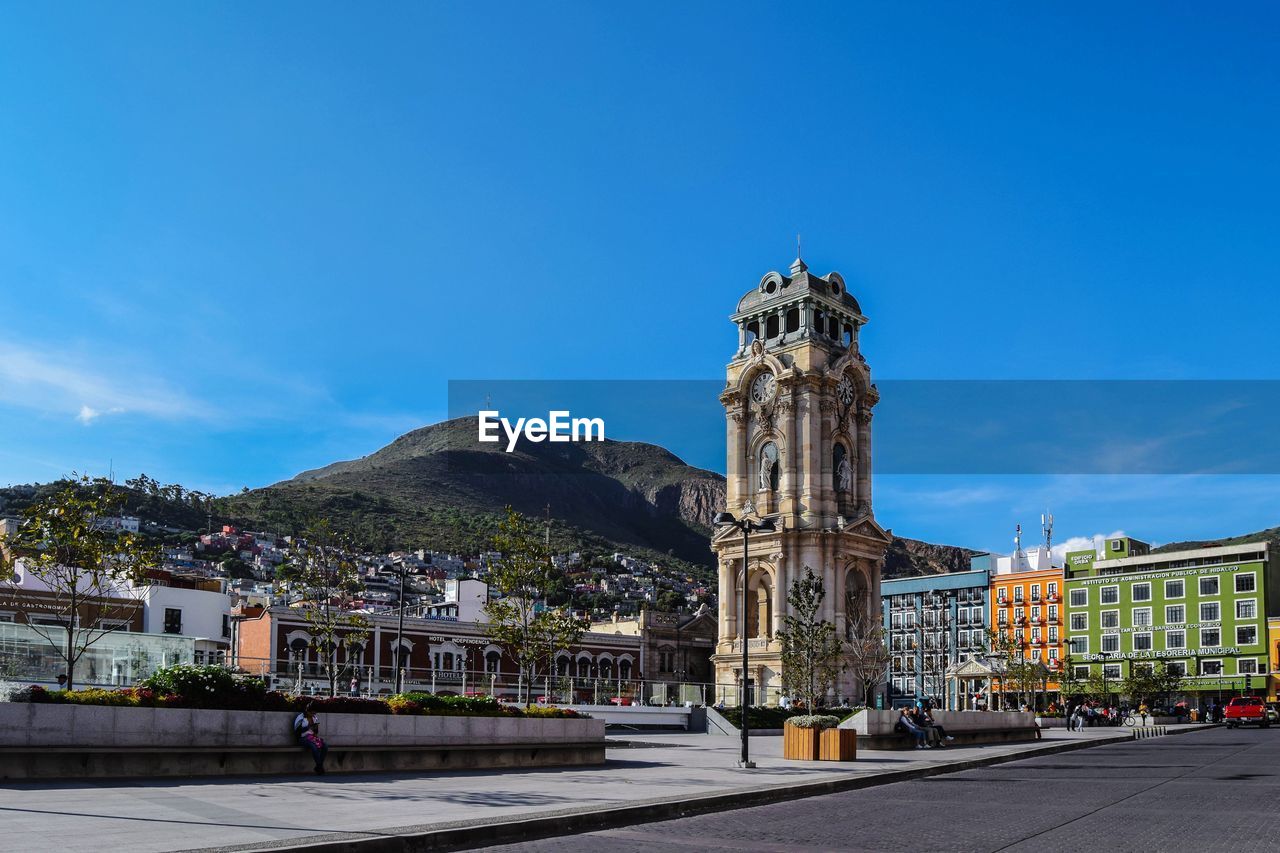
{"x":472,"y":835}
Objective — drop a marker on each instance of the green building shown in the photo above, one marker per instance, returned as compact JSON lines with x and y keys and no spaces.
{"x":1203,"y":612}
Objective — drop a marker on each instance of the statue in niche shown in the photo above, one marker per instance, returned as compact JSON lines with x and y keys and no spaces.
{"x":768,"y":467}
{"x":844,"y":475}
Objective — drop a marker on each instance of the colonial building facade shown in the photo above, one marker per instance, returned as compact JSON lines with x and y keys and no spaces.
{"x":798,"y":404}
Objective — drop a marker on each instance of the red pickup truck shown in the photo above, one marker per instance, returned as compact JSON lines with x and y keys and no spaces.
{"x":1246,"y":709}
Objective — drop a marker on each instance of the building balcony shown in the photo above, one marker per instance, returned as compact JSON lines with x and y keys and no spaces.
{"x":1053,"y":598}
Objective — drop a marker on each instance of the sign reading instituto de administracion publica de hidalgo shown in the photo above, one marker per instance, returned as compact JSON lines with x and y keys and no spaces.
{"x":798,"y":402}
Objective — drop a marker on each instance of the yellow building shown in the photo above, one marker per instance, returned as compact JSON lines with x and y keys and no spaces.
{"x":1273,"y":644}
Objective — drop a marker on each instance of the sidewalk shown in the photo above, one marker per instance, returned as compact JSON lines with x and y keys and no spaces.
{"x":654,"y":775}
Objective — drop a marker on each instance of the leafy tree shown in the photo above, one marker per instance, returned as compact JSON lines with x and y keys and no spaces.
{"x":812,"y":651}
{"x":235,"y":568}
{"x":92,"y":572}
{"x":517,"y":618}
{"x":670,"y":601}
{"x":325,"y":570}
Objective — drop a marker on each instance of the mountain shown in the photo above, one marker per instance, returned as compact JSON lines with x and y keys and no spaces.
{"x":438,"y":486}
{"x":1271,"y":534}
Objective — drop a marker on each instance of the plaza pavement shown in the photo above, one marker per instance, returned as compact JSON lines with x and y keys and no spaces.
{"x":647,"y":777}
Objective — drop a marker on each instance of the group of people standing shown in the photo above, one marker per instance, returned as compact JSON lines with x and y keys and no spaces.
{"x":918,"y":722}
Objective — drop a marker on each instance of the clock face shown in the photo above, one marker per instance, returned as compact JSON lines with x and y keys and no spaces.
{"x":762,"y":387}
{"x":844,"y":391}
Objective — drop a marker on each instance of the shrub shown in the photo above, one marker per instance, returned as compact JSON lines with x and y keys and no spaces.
{"x":814,"y":721}
{"x":204,"y":686}
{"x":551,"y":713}
{"x":761,"y":717}
{"x":430,"y":703}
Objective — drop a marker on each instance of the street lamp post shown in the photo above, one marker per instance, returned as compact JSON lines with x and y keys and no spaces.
{"x":401,"y":570}
{"x":1106,"y":693}
{"x":747,"y":526}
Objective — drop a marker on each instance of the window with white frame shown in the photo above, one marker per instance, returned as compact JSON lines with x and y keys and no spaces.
{"x":1111,"y":671}
{"x":1175,"y":589}
{"x":1175,"y":614}
{"x":1081,"y":672}
{"x":1176,"y":667}
{"x":1175,"y":639}
{"x":1035,"y":591}
{"x":1209,"y":586}
{"x":1002,"y":593}
{"x":1141,"y":592}
{"x":1078,"y":645}
{"x":1142,"y":641}
{"x":1210,"y":637}
{"x":1210,"y":611}
{"x":1111,"y":642}
{"x":1079,"y":621}
{"x":1247,"y":666}
{"x":1141,"y":617}
{"x":1035,"y":635}
{"x":1053,"y":587}
{"x":1053,"y":633}
{"x":1018,"y":613}
{"x":1246,"y":635}
{"x":1247,"y":608}
{"x":1246,"y":582}
{"x":1053,"y":613}
{"x":1110,"y":618}
{"x":1211,"y":667}
{"x":1035,"y":613}
{"x":1110,"y":595}
{"x":1053,"y":653}
{"x":1079,"y":597}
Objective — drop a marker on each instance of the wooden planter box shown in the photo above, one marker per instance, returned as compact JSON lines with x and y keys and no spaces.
{"x":799,"y":744}
{"x":838,"y":745}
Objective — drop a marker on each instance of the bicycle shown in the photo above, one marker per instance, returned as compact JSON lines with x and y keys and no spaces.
{"x":1132,"y":719}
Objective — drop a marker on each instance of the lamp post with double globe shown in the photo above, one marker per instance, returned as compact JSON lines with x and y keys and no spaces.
{"x":747,"y":526}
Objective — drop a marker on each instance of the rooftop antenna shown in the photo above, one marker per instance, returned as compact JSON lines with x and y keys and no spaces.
{"x":1046,"y":524}
{"x":798,"y":253}
{"x":1017,"y":541}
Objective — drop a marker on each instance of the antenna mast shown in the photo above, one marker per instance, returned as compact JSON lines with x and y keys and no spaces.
{"x":1046,"y":524}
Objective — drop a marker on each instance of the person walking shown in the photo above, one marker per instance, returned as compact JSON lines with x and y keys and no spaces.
{"x":307,"y":728}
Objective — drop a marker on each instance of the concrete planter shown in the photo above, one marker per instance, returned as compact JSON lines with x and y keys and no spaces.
{"x":97,"y":726}
{"x":40,"y":741}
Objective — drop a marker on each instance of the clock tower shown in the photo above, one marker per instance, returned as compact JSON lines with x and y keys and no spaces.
{"x":798,"y":403}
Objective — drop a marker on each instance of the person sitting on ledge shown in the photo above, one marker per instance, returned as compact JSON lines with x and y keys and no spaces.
{"x":938,"y":733}
{"x":307,"y":729}
{"x":908,"y":725}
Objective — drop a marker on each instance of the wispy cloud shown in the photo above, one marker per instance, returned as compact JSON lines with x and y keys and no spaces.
{"x":51,"y":383}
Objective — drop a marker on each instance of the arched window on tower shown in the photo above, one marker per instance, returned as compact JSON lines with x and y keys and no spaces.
{"x":753,"y":331}
{"x":771,"y":327}
{"x":847,"y":337}
{"x":793,"y":320}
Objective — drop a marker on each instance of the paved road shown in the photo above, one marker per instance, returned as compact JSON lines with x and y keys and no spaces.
{"x":1211,"y":790}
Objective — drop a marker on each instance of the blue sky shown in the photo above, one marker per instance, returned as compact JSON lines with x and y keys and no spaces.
{"x":236,"y":244}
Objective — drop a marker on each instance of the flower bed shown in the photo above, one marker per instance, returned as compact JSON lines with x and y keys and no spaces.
{"x":217,"y":688}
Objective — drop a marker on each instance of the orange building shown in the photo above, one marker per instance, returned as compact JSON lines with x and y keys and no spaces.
{"x":1028,"y":615}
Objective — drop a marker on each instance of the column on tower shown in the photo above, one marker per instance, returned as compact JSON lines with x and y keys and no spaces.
{"x":864,"y":460}
{"x":728,"y":602}
{"x":807,"y":437}
{"x":736,"y":468}
{"x":791,"y":454}
{"x":782,"y":583}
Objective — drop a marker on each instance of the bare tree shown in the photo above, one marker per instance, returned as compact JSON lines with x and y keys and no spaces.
{"x":518,"y":618}
{"x":325,"y":569}
{"x":868,"y":653}
{"x":81,"y":570}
